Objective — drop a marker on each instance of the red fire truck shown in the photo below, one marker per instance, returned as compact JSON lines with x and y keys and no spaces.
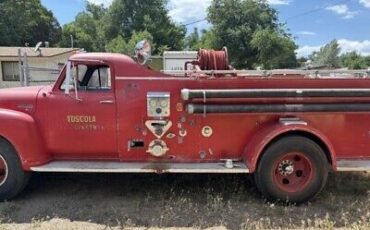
{"x":106,"y":113}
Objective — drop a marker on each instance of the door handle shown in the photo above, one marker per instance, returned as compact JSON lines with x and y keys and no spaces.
{"x":107,"y":102}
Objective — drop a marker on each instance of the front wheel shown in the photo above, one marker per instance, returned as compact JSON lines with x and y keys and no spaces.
{"x":293,"y":169}
{"x":12,"y":177}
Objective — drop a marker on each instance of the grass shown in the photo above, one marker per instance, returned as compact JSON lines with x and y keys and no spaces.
{"x":197,"y":201}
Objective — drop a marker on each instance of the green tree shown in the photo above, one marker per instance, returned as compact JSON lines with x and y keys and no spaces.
{"x":274,"y":50}
{"x":235,"y":24}
{"x":162,"y":49}
{"x":328,"y":55}
{"x":192,"y":40}
{"x":207,"y":39}
{"x":367,"y":60}
{"x":27,"y":21}
{"x":85,"y":29}
{"x":202,"y":40}
{"x":119,"y":45}
{"x":302,"y":61}
{"x":126,"y":16}
{"x":353,"y":60}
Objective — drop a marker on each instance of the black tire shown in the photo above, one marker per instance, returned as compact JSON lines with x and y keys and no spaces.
{"x":292,"y":170}
{"x":13,"y":178}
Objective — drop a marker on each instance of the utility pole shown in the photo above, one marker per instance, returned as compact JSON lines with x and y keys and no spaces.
{"x":72,"y":45}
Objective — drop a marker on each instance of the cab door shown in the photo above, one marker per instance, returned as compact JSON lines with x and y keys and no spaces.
{"x":83,"y":124}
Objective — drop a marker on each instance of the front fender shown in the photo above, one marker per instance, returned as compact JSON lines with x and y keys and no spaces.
{"x":264,"y":136}
{"x":21,"y":130}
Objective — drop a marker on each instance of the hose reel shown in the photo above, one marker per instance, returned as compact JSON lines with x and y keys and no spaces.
{"x":211,"y":60}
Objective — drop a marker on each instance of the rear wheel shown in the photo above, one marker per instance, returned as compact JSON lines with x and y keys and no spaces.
{"x":12,"y":177}
{"x":293,"y":169}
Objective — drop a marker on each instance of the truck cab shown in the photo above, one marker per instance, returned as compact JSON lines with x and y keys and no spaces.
{"x":108,"y":113}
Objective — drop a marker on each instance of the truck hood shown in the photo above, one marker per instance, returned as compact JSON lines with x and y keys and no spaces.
{"x":20,"y":99}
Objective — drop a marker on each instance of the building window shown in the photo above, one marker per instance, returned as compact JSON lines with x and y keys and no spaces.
{"x":10,"y":70}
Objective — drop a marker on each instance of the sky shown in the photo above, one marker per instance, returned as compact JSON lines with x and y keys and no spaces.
{"x":313,"y":23}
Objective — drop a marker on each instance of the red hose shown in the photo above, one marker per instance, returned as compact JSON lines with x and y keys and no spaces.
{"x":213,"y":60}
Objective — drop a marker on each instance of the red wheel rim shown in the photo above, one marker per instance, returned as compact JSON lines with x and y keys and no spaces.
{"x":293,"y":172}
{"x":3,"y":170}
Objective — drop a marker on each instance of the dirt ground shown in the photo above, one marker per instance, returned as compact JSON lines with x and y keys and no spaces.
{"x":146,"y":201}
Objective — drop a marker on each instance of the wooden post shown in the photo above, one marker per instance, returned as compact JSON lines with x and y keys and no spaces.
{"x":26,"y":70}
{"x":20,"y":67}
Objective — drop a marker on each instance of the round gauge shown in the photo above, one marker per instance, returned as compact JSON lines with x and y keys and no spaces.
{"x":164,"y":103}
{"x":153,"y":103}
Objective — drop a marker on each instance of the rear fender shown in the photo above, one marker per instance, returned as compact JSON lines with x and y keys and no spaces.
{"x":266,"y":135}
{"x":21,"y":130}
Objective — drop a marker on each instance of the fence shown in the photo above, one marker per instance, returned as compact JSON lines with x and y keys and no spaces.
{"x":33,"y":75}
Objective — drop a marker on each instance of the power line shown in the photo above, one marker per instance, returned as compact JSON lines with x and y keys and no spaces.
{"x":289,"y":18}
{"x":194,"y":22}
{"x":315,"y":10}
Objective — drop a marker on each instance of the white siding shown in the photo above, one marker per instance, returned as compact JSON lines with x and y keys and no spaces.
{"x":40,"y":62}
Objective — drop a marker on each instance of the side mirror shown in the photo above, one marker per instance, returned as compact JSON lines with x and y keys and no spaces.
{"x":143,"y":52}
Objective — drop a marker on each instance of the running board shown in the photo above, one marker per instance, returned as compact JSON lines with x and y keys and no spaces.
{"x":120,"y":167}
{"x":353,"y":165}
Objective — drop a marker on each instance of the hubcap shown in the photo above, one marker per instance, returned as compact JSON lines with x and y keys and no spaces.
{"x":293,"y":172}
{"x":286,"y":168}
{"x":3,"y":170}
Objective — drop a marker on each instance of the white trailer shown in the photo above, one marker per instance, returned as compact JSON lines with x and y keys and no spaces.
{"x":175,"y":60}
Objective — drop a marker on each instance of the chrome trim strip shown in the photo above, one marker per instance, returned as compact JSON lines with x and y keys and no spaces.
{"x":157,"y":78}
{"x":291,"y":121}
{"x":353,"y":165}
{"x":117,"y":167}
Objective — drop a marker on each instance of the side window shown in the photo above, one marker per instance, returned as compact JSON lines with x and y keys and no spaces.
{"x":78,"y":73}
{"x":100,"y":79}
